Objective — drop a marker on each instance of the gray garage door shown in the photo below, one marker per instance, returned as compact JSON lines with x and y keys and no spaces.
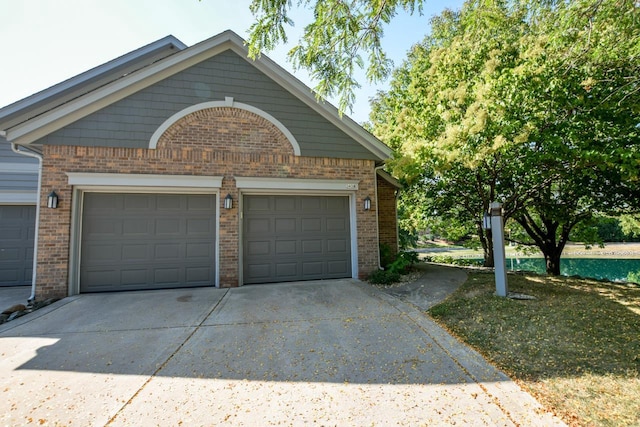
{"x":147,"y":241}
{"x":288,"y":238}
{"x":17,"y":227}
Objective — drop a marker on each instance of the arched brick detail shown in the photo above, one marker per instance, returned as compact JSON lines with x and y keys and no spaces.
{"x":226,"y":129}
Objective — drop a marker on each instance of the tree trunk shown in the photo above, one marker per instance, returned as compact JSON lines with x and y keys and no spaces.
{"x":487,"y":246}
{"x":552,"y":261}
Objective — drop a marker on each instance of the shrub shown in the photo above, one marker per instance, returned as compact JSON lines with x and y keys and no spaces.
{"x":384,"y":277}
{"x":447,"y":259}
{"x":387,"y":255}
{"x":403,"y":261}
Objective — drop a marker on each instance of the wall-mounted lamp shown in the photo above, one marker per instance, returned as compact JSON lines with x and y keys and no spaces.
{"x":52,"y":200}
{"x":228,"y":202}
{"x":367,"y":203}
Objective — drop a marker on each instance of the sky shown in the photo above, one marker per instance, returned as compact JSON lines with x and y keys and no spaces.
{"x":44,"y":42}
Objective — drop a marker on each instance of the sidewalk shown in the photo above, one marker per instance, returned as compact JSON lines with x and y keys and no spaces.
{"x":436,"y":283}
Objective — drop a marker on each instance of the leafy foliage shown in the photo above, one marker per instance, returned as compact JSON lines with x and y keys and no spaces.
{"x":531,"y":103}
{"x":384,"y":277}
{"x":344,"y":36}
{"x":395,"y":265}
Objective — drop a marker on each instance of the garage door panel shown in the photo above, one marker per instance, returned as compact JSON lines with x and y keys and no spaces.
{"x":310,"y":225}
{"x":312,"y":204}
{"x":259,"y":248}
{"x":257,"y":204}
{"x":154,"y":241}
{"x":337,"y":204}
{"x":287,"y":269}
{"x":198,"y":275}
{"x":257,"y":272}
{"x":133,"y":202}
{"x":169,"y":202}
{"x":284,"y":204}
{"x":11,"y":233}
{"x":299,"y":243}
{"x":337,"y":246}
{"x":134,"y":277}
{"x":168,"y":227}
{"x":339,"y":225}
{"x":167,"y":251}
{"x":107,"y":203}
{"x":199,"y":250}
{"x":136,"y":226}
{"x":167,"y":276}
{"x":199,"y":226}
{"x":200,"y":203}
{"x":103,"y":253}
{"x":310,"y":269}
{"x":10,"y":275}
{"x":286,"y":247}
{"x":258,"y":225}
{"x":285,"y":225}
{"x":135,"y":252}
{"x":11,"y":254}
{"x":99,"y":278}
{"x":312,"y":246}
{"x":337,"y":267}
{"x":101,"y":226}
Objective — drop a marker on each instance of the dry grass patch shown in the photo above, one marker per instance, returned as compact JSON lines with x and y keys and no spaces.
{"x":576,"y":347}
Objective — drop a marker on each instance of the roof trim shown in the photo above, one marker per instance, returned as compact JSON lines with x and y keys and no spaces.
{"x":66,"y":113}
{"x":229,"y":103}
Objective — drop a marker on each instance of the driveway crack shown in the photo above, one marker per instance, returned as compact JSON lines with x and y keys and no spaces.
{"x":164,"y":364}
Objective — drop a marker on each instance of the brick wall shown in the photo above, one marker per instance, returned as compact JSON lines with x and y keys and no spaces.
{"x":219,"y":141}
{"x":387,"y":217}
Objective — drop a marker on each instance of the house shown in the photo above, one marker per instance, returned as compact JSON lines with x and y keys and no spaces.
{"x":176,"y":166}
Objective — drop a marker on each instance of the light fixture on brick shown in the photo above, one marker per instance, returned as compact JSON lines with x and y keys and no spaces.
{"x":52,"y":200}
{"x":367,"y":203}
{"x":228,"y":202}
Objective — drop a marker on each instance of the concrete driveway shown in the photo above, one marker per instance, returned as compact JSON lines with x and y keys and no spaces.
{"x":326,"y":353}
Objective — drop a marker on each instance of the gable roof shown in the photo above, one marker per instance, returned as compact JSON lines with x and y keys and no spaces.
{"x":26,"y":121}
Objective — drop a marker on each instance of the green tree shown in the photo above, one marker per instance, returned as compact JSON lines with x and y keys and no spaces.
{"x":445,"y":115}
{"x":531,"y":103}
{"x":344,"y":36}
{"x":585,"y":118}
{"x":630,"y":225}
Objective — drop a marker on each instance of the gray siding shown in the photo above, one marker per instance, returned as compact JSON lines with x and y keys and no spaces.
{"x":18,"y":173}
{"x":131,"y":121}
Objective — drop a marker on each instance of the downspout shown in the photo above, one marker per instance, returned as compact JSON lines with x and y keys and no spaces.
{"x":31,"y":153}
{"x":375,"y":180}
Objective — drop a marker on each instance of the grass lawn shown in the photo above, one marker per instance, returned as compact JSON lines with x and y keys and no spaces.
{"x":576,"y":347}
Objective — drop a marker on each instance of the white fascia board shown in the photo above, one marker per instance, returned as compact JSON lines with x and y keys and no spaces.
{"x":19,"y":167}
{"x":143,"y":180}
{"x":259,"y":183}
{"x":70,"y":112}
{"x":18,"y":197}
